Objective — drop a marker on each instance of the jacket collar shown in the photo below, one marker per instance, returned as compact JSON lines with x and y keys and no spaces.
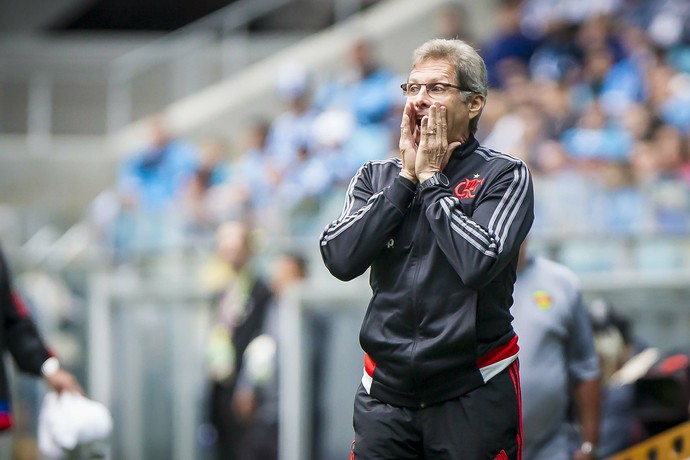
{"x":470,"y":145}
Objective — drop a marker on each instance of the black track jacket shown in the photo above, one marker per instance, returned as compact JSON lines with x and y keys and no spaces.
{"x":442,"y":271}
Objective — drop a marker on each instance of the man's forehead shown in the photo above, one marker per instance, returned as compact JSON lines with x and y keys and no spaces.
{"x":433,"y":67}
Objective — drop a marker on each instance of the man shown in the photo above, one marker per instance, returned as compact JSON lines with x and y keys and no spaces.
{"x":440,"y":227}
{"x":152,"y":181}
{"x":558,"y":361}
{"x":150,"y":190}
{"x":21,"y":338}
{"x":241,"y":309}
{"x":619,"y":352}
{"x":256,"y":399}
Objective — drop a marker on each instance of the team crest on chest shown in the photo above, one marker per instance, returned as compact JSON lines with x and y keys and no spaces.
{"x":468,"y":187}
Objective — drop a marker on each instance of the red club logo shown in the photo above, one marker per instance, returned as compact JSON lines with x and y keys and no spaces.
{"x":468,"y":187}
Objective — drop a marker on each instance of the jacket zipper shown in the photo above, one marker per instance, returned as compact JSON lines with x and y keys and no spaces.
{"x":415,"y":249}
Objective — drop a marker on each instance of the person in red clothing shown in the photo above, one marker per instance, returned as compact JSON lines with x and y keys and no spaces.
{"x":20,"y":337}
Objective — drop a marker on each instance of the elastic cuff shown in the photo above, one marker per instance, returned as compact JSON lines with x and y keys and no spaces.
{"x":434,"y":193}
{"x":411,"y":186}
{"x":50,"y":366}
{"x":400,"y":193}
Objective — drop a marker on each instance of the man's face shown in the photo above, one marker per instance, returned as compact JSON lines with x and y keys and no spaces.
{"x":232,"y":239}
{"x":458,"y":111}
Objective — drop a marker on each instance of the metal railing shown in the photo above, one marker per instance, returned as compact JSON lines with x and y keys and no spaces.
{"x":140,"y":82}
{"x":227,"y":29}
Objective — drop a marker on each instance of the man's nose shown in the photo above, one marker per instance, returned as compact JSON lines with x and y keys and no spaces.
{"x":422,"y":98}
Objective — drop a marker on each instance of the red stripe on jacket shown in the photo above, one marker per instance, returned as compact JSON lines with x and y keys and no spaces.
{"x":369,"y":365}
{"x":19,"y":305}
{"x":499,"y":353}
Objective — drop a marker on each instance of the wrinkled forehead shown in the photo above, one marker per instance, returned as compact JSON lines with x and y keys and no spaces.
{"x":433,"y":70}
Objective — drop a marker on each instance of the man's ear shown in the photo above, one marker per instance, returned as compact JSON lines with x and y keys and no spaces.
{"x":476,"y":105}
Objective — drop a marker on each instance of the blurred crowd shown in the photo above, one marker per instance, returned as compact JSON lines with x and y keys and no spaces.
{"x":594,"y":95}
{"x":175,"y":192}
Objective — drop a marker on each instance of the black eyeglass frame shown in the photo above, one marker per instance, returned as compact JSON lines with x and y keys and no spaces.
{"x":426,"y":86}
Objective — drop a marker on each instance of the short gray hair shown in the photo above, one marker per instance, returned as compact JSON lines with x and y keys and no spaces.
{"x":470,"y":69}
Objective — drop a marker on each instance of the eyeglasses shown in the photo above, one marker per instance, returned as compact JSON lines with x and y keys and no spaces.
{"x":433,"y":89}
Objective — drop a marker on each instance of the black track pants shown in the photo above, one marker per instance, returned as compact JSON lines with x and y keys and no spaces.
{"x":485,"y":424}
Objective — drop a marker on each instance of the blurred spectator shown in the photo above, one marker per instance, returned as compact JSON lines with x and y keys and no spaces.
{"x":674,"y":109}
{"x":207,"y":200}
{"x":625,"y":84}
{"x":553,"y":99}
{"x":509,"y":119}
{"x":370,"y":92}
{"x":334,"y":142}
{"x":620,"y":207}
{"x":242,"y":298}
{"x":102,"y":216}
{"x":595,"y":137}
{"x":368,"y":89}
{"x":637,"y":121}
{"x":616,"y":348}
{"x":498,"y":106}
{"x":256,"y":399}
{"x":301,"y":191}
{"x":667,"y":21}
{"x":508,"y":48}
{"x":558,"y":362}
{"x":662,"y":394}
{"x":557,"y":181}
{"x":597,"y":33}
{"x":453,"y":21}
{"x":152,"y":180}
{"x":557,"y":57}
{"x":595,"y":69}
{"x":254,"y":172}
{"x":520,"y":131}
{"x":658,"y":164}
{"x":288,"y":198}
{"x":539,"y":17}
{"x":671,"y":149}
{"x":292,"y":129}
{"x":150,"y":187}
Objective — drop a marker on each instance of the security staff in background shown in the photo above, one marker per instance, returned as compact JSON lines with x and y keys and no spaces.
{"x":559,"y":362}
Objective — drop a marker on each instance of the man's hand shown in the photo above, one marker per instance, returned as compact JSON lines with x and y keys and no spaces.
{"x":434,"y":152}
{"x":579,"y":455}
{"x":408,"y":146}
{"x":62,"y":380}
